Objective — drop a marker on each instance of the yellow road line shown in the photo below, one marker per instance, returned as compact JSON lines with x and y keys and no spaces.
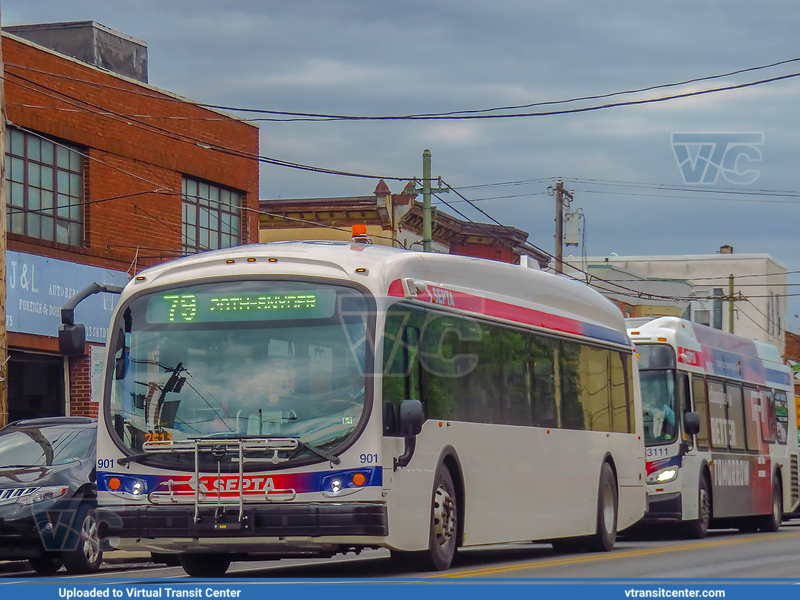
{"x":608,"y":556}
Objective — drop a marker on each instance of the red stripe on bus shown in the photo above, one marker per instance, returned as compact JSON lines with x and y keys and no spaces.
{"x":494,"y":308}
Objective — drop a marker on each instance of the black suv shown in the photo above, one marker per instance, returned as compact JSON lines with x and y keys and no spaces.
{"x":48,"y":494}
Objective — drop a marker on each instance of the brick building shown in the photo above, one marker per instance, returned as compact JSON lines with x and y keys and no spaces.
{"x":105,"y":175}
{"x":392,"y":220}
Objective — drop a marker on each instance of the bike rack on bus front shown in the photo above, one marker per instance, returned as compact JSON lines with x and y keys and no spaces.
{"x":220,"y":448}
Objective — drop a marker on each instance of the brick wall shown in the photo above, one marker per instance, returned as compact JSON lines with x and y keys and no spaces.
{"x":129,"y":154}
{"x":80,"y":387}
{"x":139,"y":158}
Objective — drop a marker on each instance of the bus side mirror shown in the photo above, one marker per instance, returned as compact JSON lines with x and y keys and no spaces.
{"x":691,"y":423}
{"x":72,"y":339}
{"x":410,"y":417}
{"x":409,"y":423}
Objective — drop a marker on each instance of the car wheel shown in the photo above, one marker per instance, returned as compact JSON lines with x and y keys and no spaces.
{"x":84,"y":555}
{"x":205,"y":565}
{"x":47,"y":564}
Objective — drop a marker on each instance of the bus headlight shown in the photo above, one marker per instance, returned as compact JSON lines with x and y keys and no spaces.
{"x":137,"y":488}
{"x":344,"y":483}
{"x":663,"y":476}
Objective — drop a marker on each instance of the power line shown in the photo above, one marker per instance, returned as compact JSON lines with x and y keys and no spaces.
{"x":687,"y":188}
{"x":642,"y":195}
{"x":480,"y":113}
{"x":213,"y":146}
{"x":473,"y":113}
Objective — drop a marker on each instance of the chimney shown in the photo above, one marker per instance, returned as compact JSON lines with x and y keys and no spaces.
{"x":726,"y":249}
{"x":91,"y":43}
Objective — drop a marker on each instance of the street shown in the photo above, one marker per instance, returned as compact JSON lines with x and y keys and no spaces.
{"x":723,"y":554}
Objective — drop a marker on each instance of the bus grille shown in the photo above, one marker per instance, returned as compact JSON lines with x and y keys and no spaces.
{"x":795,"y":480}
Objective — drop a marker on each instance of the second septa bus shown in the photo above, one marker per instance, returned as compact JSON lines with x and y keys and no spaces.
{"x":719,"y":425}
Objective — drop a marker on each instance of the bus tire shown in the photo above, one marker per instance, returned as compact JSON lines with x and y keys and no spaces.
{"x":443,"y":540}
{"x":698,"y":529}
{"x":205,"y":565}
{"x":607,"y":509}
{"x":85,"y":554}
{"x":772,"y":521}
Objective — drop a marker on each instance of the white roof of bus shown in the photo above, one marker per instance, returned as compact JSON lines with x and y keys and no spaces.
{"x":682,"y":333}
{"x":557,"y":295}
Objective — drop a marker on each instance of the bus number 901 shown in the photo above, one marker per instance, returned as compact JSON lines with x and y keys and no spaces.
{"x":104,"y":463}
{"x":368,"y":459}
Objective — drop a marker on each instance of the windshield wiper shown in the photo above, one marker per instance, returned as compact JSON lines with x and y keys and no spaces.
{"x":319,"y":451}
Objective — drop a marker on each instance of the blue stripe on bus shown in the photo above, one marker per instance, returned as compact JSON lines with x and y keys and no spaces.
{"x":779,"y":377}
{"x":605,"y":334}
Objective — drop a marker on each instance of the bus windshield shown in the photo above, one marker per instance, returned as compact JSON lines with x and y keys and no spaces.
{"x":237,"y":359}
{"x":658,"y":406}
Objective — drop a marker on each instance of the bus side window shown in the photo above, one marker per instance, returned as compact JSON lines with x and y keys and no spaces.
{"x":401,"y":369}
{"x":718,"y":413}
{"x":733,"y":393}
{"x":701,"y":408}
{"x":684,"y":400}
{"x":781,"y":417}
{"x":768,"y":417}
{"x":752,"y":406}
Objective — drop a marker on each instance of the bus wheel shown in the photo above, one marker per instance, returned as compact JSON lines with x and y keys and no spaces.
{"x":444,"y":523}
{"x":699,"y":527}
{"x":606,"y":534}
{"x":772,"y":521}
{"x":205,"y":565}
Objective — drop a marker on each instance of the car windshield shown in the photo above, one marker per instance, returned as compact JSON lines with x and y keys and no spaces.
{"x":45,"y":446}
{"x":240,"y":359}
{"x":658,"y":406}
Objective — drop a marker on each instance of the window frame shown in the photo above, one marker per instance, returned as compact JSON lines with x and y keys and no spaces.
{"x":210,"y":219}
{"x":67,"y":174}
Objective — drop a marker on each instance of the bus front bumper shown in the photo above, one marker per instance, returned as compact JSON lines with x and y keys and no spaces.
{"x":663,"y":507}
{"x":310,"y":519}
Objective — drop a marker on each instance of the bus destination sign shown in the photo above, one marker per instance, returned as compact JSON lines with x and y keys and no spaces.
{"x":190,"y":306}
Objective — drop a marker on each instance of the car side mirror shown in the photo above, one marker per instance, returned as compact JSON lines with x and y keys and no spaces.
{"x":691,"y":423}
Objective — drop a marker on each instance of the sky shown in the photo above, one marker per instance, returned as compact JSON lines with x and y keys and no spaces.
{"x":361,"y":57}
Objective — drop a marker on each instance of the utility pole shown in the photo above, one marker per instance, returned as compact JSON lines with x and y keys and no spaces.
{"x":3,"y":241}
{"x":731,"y":300}
{"x":427,"y":190}
{"x":559,"y":193}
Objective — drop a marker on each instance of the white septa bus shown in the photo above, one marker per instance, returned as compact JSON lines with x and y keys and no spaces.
{"x":302,"y":398}
{"x":719,"y":425}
